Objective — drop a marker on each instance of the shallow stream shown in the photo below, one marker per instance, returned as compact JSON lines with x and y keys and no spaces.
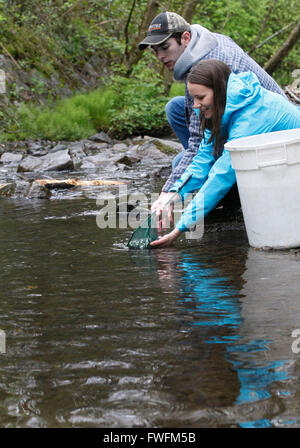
{"x":199,"y":335}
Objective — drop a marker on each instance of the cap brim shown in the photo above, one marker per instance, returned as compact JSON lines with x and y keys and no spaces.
{"x":155,"y":39}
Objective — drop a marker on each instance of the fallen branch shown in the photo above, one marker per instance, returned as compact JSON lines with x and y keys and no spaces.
{"x":10,"y":56}
{"x":70,"y":183}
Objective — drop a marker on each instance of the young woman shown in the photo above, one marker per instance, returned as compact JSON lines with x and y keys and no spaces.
{"x":230,"y":106}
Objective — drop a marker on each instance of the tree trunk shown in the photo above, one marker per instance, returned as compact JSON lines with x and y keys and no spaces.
{"x":188,"y":9}
{"x":283,"y":51}
{"x":132,"y":56}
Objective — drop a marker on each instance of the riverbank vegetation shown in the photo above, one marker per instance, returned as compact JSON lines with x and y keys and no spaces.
{"x":74,"y":68}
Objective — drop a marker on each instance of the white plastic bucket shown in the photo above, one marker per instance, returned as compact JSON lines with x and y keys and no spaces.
{"x":267,"y":169}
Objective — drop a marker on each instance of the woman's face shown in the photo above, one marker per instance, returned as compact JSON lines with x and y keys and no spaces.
{"x":203,"y":98}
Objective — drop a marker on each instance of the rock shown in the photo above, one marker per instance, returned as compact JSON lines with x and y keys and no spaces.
{"x":94,"y":155}
{"x":101,"y":137}
{"x":29,"y":163}
{"x":36,"y":149}
{"x":133,"y":154}
{"x":126,"y":160}
{"x":149,"y":150}
{"x":76,"y":147}
{"x":119,"y":147}
{"x":86,"y":165}
{"x":21,"y":188}
{"x":57,"y":161}
{"x":77,"y":154}
{"x":2,"y":148}
{"x":59,"y":147}
{"x":98,"y":159}
{"x":164,"y":171}
{"x":37,"y":191}
{"x":11,"y":157}
{"x":8,"y":189}
{"x":91,"y":148}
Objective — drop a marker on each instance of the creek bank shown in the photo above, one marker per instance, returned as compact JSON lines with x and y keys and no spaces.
{"x":142,"y":163}
{"x":96,"y":157}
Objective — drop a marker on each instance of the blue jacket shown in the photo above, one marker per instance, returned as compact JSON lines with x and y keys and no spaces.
{"x":207,"y":45}
{"x":250,"y":110}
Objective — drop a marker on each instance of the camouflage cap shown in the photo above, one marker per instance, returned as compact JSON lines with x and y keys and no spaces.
{"x":162,"y":27}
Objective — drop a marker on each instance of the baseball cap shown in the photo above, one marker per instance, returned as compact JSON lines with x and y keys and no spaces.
{"x":162,"y":27}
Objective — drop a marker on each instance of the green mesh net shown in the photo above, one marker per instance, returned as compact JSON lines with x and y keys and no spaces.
{"x":147,"y":231}
{"x":144,"y":234}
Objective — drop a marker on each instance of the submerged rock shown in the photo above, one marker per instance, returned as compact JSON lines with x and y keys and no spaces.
{"x":7,"y":189}
{"x":37,"y":191}
{"x":24,"y":189}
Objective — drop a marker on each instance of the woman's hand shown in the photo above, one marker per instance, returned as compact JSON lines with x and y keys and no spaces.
{"x":166,"y":240}
{"x":164,"y":209}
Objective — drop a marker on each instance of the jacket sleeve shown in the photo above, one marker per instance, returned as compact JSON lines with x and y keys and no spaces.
{"x":220,"y":179}
{"x":198,"y":168}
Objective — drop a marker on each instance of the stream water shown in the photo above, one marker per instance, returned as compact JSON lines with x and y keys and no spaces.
{"x":97,"y":335}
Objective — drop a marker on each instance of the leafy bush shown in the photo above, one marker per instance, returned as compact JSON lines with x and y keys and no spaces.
{"x":140,"y":104}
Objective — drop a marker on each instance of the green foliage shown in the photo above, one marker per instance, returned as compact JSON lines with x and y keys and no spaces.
{"x":60,"y":37}
{"x":250,"y":22}
{"x":140,"y":103}
{"x":69,"y":119}
{"x":129,"y":106}
{"x":177,"y":89}
{"x":53,"y":34}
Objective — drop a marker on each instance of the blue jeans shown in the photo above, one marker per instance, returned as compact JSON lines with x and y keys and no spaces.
{"x":176,"y":118}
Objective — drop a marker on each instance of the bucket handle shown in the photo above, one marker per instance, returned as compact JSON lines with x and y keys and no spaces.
{"x":262,"y":164}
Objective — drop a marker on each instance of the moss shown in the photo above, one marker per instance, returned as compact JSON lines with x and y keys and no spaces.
{"x":166,"y":149}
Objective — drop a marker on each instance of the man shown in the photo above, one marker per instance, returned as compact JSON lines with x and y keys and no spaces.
{"x":179,"y":45}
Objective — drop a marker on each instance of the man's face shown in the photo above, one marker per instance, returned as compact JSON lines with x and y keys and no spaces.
{"x":169,"y":51}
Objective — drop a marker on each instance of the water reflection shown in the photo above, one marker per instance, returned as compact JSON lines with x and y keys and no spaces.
{"x":236,"y":314}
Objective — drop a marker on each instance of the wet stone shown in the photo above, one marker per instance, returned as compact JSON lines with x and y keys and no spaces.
{"x":29,"y":163}
{"x":59,"y":147}
{"x":7,"y":189}
{"x":11,"y":157}
{"x":119,"y":147}
{"x":37,"y":191}
{"x":92,"y":148}
{"x":127,"y":160}
{"x":101,"y":137}
{"x":57,"y":161}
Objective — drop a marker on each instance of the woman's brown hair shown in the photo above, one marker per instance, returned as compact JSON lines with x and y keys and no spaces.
{"x":214,"y":74}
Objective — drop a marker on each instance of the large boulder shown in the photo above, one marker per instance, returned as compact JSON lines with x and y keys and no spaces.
{"x":53,"y":161}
